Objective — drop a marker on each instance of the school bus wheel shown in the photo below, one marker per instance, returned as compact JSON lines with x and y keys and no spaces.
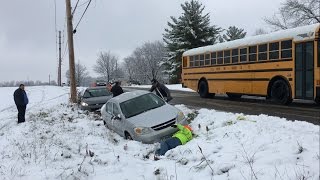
{"x":280,"y":92}
{"x":203,"y":89}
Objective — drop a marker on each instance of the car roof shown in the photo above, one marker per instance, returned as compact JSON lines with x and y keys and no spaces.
{"x":128,"y":95}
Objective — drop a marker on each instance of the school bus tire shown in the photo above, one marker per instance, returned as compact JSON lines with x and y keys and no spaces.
{"x":280,"y":92}
{"x":317,"y":100}
{"x":203,"y":89}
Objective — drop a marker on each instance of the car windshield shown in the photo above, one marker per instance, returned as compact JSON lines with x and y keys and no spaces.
{"x":140,"y":104}
{"x":96,"y":92}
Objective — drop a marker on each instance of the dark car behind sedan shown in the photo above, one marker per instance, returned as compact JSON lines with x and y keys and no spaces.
{"x":93,"y":98}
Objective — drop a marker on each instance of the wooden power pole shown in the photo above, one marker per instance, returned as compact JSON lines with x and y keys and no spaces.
{"x":73,"y":90}
{"x":59,"y":68}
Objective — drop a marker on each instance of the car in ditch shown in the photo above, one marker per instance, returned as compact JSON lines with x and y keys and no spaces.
{"x":93,"y":98}
{"x":141,"y":116}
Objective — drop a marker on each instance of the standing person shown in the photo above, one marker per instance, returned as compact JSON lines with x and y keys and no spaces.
{"x":161,"y":90}
{"x":116,"y":89}
{"x":181,"y":137}
{"x":21,"y":100}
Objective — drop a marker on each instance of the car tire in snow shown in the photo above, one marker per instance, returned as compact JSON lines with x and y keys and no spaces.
{"x":127,"y":136}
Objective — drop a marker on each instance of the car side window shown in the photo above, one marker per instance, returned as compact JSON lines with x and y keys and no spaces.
{"x":115,"y":110}
{"x":109,"y":108}
{"x":86,"y":94}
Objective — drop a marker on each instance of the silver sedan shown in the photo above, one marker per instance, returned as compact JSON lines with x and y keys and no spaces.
{"x":141,"y":116}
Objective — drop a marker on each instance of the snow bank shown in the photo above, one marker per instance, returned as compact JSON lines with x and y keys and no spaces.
{"x":59,"y":141}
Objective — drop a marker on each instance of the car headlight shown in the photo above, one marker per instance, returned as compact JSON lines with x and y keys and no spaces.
{"x":142,"y":130}
{"x":180,"y":116}
{"x":84,"y":104}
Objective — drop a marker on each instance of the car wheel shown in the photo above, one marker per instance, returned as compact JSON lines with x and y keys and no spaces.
{"x":104,"y":123}
{"x":280,"y":92}
{"x":127,"y":136}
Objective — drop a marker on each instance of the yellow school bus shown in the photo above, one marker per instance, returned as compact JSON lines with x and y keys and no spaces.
{"x":281,"y":66}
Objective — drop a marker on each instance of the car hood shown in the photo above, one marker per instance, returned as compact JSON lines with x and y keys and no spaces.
{"x":97,"y":100}
{"x":154,"y":116}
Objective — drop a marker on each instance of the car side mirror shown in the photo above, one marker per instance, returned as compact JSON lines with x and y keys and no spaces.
{"x":117,"y":117}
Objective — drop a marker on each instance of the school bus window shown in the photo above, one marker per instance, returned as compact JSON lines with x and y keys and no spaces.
{"x":184,"y":61}
{"x":220,"y":57}
{"x":243,"y":55}
{"x":213,"y":58}
{"x":286,"y":49}
{"x":196,"y":60}
{"x":274,"y":51}
{"x":207,"y":59}
{"x":191,"y":61}
{"x":262,"y":52}
{"x":227,"y":57}
{"x":201,"y":60}
{"x":253,"y":53}
{"x":235,"y":56}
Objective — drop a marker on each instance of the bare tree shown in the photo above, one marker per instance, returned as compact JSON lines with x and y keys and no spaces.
{"x":130,"y":68}
{"x":80,"y":74}
{"x":294,"y":13}
{"x":107,"y":65}
{"x":146,"y":62}
{"x":260,"y":31}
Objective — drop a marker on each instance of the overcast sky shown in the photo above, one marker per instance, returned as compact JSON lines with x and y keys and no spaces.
{"x":27,"y":30}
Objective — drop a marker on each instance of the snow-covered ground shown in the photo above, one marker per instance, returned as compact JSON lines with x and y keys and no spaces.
{"x":59,"y":141}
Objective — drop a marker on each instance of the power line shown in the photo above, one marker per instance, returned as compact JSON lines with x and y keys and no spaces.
{"x":75,"y":8}
{"x":83,"y":3}
{"x":55,"y":24}
{"x":82,"y":16}
{"x":65,"y":50}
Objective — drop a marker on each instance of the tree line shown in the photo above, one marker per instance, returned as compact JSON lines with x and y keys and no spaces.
{"x":27,"y":83}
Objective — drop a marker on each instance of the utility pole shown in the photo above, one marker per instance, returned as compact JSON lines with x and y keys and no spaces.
{"x":49,"y":80}
{"x":73,"y":90}
{"x":59,"y":68}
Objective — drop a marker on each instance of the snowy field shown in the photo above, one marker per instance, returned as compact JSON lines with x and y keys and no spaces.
{"x":59,"y":141}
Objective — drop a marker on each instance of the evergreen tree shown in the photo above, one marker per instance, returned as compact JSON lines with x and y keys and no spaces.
{"x":234,"y":33}
{"x":192,"y":29}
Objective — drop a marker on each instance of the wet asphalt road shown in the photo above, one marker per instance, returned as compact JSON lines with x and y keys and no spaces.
{"x":298,"y":110}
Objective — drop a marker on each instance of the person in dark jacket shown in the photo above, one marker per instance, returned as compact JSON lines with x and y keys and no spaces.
{"x":115,"y":89}
{"x":161,"y":90}
{"x":21,"y":100}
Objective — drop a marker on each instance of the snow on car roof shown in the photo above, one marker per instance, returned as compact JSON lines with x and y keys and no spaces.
{"x":296,"y":34}
{"x":129,"y":95}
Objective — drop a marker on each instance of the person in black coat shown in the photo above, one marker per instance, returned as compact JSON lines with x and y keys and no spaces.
{"x":115,"y":89}
{"x":21,"y":100}
{"x":161,"y":90}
